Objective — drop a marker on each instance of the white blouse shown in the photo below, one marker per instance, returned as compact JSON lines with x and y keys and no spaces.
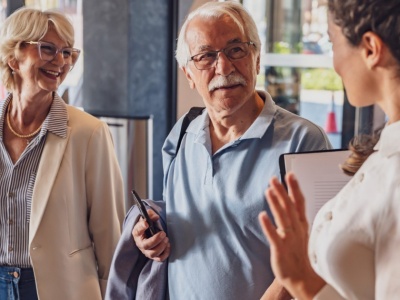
{"x":355,"y":239}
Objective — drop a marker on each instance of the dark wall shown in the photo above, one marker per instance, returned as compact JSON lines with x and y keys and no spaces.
{"x":13,"y":5}
{"x":129,"y":68}
{"x":152,"y":88}
{"x":106,"y":64}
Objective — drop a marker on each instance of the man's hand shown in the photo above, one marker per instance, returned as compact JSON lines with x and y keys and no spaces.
{"x":156,"y":247}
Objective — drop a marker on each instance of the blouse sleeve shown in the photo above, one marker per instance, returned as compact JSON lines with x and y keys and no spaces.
{"x":328,"y":293}
{"x":387,"y":259}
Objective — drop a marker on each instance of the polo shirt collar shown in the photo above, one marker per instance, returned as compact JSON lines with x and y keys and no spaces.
{"x":256,"y":130}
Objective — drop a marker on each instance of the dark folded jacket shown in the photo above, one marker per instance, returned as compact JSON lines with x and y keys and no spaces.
{"x":132,"y":275}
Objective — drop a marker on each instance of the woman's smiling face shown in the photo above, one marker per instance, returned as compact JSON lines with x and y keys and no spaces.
{"x":36,"y":74}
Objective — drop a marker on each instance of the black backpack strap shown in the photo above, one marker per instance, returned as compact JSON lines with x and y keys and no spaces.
{"x":193,"y":113}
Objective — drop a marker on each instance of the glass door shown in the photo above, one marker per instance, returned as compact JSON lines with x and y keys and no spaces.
{"x":297,"y":61}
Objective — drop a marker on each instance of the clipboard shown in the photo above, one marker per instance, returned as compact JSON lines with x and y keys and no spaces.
{"x":318,"y":173}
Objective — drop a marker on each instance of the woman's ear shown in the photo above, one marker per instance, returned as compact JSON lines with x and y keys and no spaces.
{"x":372,"y":49}
{"x":13,"y":64}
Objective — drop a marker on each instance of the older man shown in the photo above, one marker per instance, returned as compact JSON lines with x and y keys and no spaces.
{"x":214,"y":185}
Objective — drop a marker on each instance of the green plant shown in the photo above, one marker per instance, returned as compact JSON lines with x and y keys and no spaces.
{"x":321,"y":79}
{"x":281,"y":48}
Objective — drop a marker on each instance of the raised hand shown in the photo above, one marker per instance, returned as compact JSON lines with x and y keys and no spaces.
{"x":289,"y":239}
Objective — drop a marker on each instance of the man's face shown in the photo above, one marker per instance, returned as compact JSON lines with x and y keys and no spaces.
{"x":228,"y":84}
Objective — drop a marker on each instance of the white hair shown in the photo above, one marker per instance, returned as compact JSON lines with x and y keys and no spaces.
{"x":216,"y":10}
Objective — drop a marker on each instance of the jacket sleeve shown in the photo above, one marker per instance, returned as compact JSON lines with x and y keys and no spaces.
{"x":105,"y":197}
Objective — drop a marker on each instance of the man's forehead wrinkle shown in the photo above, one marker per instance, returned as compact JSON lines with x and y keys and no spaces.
{"x":200,"y":32}
{"x":207,"y":47}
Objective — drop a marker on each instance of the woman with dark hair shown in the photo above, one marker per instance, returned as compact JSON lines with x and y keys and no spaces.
{"x":353,"y":249}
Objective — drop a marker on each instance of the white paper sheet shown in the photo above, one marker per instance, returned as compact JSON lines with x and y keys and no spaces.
{"x":319,"y":176}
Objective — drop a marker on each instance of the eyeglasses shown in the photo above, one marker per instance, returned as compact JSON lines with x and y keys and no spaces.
{"x":48,"y":51}
{"x":207,"y":60}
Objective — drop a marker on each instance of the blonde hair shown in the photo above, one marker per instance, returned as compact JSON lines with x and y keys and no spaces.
{"x":216,"y":10}
{"x":28,"y":24}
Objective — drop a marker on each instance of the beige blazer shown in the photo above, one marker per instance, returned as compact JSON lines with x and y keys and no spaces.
{"x":77,"y":211}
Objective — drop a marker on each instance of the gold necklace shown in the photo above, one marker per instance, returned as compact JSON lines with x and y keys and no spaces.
{"x":21,"y":136}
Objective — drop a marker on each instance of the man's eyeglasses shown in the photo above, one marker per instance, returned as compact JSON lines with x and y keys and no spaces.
{"x":207,"y":60}
{"x":48,"y":51}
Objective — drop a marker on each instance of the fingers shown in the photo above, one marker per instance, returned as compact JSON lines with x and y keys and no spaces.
{"x":277,"y":209}
{"x":288,"y":239}
{"x":165,"y":254}
{"x":153,"y":215}
{"x":156,"y":247}
{"x":283,"y":209}
{"x":288,"y":208}
{"x":296,"y":195}
{"x":269,"y":229}
{"x":139,"y":229}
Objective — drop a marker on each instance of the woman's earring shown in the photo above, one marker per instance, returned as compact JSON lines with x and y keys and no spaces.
{"x":13,"y":72}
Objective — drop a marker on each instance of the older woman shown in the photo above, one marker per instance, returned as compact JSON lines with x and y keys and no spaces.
{"x":61,"y":193}
{"x":354,"y":245}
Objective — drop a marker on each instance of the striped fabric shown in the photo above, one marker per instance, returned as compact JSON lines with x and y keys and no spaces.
{"x":17,"y":182}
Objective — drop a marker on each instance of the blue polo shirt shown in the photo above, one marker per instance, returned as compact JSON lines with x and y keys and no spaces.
{"x":218,"y":250}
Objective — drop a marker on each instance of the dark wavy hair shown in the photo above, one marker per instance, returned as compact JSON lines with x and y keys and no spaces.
{"x":356,"y":17}
{"x":361,"y":146}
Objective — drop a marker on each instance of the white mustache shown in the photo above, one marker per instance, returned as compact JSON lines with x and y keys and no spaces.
{"x":226,"y":81}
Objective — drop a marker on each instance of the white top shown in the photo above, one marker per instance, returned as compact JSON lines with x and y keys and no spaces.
{"x":355,"y":241}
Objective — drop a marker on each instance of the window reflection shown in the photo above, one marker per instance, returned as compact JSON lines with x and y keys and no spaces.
{"x":67,"y":6}
{"x":297,"y":60}
{"x":3,"y":10}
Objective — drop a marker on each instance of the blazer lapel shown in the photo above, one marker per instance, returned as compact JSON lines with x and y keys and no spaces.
{"x":50,"y":162}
